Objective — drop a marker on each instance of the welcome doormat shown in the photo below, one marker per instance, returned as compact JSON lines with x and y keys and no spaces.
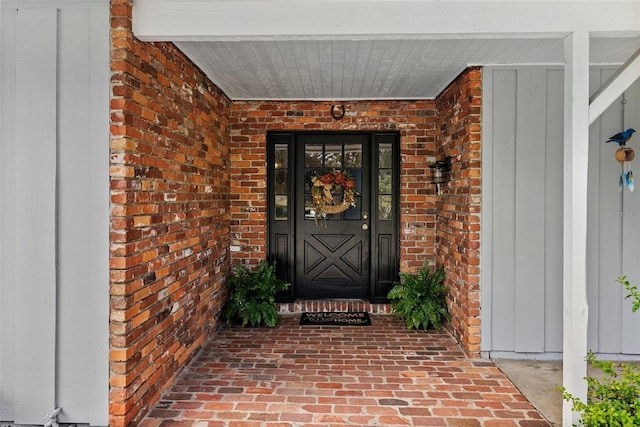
{"x":334,"y":318}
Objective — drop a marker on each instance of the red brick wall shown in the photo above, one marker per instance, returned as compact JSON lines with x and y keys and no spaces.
{"x":414,"y":120}
{"x":443,"y":229}
{"x":169,"y":215}
{"x":458,"y":236}
{"x":188,"y":178}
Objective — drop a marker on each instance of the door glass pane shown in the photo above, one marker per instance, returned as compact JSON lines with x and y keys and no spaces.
{"x":354,"y":212}
{"x":384,"y":207}
{"x":333,"y":156}
{"x":308,"y":175}
{"x":282,"y":179}
{"x":384,"y":181}
{"x":344,"y":158}
{"x":281,"y":207}
{"x":356,"y":174}
{"x":282,"y":156}
{"x":313,"y":155}
{"x":353,"y":156}
{"x":281,"y":184}
{"x":385,"y":156}
{"x":309,"y":207}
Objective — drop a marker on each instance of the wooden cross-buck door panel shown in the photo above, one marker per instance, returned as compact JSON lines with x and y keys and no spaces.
{"x":350,"y":254}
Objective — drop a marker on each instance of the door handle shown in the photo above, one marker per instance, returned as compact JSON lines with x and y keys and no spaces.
{"x":365,"y":226}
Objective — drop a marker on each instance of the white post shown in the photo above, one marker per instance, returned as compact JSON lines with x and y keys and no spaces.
{"x":576,"y":141}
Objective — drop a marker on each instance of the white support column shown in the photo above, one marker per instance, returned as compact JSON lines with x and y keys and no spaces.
{"x":576,"y":141}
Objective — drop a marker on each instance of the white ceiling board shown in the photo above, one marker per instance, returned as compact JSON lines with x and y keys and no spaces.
{"x":371,"y":69}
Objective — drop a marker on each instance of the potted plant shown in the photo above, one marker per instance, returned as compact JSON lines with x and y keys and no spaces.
{"x":252,"y":295}
{"x":420,"y":299}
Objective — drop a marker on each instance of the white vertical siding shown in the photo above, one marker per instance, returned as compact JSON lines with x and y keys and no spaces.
{"x":529,"y":180}
{"x":522,"y":253}
{"x":74,"y":233}
{"x":7,"y":212}
{"x":614,"y":227}
{"x":616,"y":217}
{"x":630,"y":327}
{"x":97,"y":380}
{"x":503,"y":128}
{"x":593,"y":204}
{"x":83,"y":158}
{"x":35,"y":206}
{"x":553,"y":202}
{"x":523,"y":193}
{"x":54,"y":208}
{"x":605,"y":203}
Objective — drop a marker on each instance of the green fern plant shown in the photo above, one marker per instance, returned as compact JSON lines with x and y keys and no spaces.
{"x":420,"y":299}
{"x":252,"y":295}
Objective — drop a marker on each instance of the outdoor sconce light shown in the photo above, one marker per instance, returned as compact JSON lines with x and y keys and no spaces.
{"x":440,"y":172}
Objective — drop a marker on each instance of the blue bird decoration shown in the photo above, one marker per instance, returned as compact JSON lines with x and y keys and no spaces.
{"x":624,"y":155}
{"x":622,"y":137}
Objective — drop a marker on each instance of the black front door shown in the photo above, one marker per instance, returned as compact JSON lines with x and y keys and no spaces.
{"x":333,"y":222}
{"x":332,"y":248}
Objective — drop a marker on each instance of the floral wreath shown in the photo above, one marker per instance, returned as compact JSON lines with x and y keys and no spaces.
{"x":323,"y":198}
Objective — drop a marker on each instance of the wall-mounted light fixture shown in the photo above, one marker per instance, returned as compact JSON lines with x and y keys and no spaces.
{"x":440,"y":172}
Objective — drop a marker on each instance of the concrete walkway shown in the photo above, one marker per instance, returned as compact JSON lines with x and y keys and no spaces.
{"x":537,"y":380}
{"x":312,"y":376}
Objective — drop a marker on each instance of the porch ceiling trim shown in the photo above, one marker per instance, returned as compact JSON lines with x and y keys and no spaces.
{"x":215,"y":20}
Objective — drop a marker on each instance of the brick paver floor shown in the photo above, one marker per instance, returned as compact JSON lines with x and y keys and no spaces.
{"x":325,"y":376}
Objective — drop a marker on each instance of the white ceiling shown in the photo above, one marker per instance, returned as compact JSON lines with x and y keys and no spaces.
{"x":377,"y":49}
{"x":371,"y":69}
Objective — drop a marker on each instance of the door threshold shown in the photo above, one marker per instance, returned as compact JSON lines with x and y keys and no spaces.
{"x":339,"y":305}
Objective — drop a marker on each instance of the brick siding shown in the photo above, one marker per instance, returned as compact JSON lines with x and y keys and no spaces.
{"x":169,"y":233}
{"x":458,"y":236}
{"x":438,"y":228}
{"x":414,"y":120}
{"x":188,"y":179}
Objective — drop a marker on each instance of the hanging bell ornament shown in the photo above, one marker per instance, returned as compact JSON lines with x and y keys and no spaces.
{"x":625,"y":154}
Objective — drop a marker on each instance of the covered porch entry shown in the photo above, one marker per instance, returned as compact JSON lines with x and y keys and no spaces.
{"x":117,"y":257}
{"x":513,"y":32}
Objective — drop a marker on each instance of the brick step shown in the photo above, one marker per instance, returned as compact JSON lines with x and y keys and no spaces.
{"x":350,"y":305}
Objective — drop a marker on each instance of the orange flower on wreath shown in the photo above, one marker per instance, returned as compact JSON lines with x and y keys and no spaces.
{"x":349,"y":184}
{"x":327,"y":178}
